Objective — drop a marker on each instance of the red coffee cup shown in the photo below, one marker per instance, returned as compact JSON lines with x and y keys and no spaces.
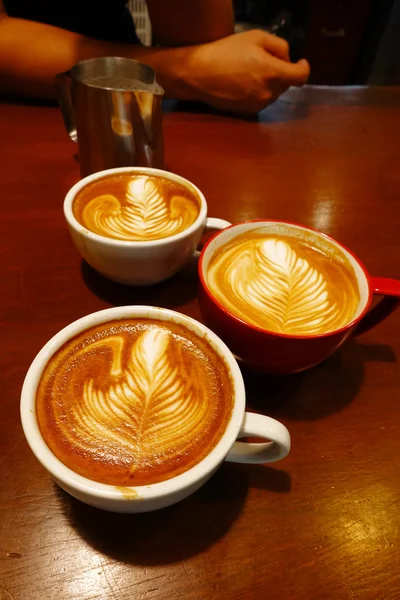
{"x":279,"y":353}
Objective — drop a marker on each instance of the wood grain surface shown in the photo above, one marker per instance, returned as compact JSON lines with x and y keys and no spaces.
{"x":322,"y":524}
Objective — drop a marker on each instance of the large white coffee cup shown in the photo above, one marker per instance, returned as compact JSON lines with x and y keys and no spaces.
{"x":151,"y":497}
{"x":139,"y":263}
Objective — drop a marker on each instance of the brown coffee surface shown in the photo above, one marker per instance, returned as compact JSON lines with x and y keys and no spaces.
{"x":283,"y":284}
{"x":135,"y":207}
{"x":134,"y":401}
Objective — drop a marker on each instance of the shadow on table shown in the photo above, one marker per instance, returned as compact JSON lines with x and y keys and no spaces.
{"x":320,"y":391}
{"x":179,"y":531}
{"x":172,"y":293}
{"x":283,"y":110}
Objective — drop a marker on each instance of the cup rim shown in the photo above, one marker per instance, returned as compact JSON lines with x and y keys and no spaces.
{"x":91,"y":488}
{"x":258,"y":329}
{"x":82,"y":230}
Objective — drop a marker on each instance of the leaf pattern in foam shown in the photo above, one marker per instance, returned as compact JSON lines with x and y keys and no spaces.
{"x":149,"y":409}
{"x":145,"y":215}
{"x":271,"y":277}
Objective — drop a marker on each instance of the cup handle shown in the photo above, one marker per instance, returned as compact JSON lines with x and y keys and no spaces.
{"x":260,"y":426}
{"x":390,"y":290}
{"x":63,"y":85}
{"x":213,"y":224}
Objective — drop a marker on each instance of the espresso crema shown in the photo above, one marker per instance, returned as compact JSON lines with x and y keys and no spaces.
{"x":136,"y":207}
{"x":134,"y":401}
{"x":282,"y":284}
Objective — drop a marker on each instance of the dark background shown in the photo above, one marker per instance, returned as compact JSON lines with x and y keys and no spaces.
{"x":347,"y":42}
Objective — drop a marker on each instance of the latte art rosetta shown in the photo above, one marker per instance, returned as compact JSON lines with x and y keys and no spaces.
{"x":283,"y":286}
{"x":140,"y":208}
{"x":146,"y":408}
{"x":134,"y":408}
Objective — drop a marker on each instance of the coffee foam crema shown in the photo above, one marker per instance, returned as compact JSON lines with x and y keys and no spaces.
{"x":283,"y":285}
{"x":135,"y":208}
{"x":133,"y":403}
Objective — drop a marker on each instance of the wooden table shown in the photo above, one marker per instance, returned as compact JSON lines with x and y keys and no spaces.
{"x":322,"y":524}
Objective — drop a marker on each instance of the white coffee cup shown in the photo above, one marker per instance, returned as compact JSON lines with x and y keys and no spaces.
{"x":158,"y":495}
{"x":139,"y":263}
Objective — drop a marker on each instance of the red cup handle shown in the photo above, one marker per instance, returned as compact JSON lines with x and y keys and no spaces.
{"x":390,"y":290}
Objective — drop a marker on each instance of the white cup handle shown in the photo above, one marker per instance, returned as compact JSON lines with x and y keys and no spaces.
{"x":217,"y":224}
{"x":212,"y":224}
{"x":260,"y":426}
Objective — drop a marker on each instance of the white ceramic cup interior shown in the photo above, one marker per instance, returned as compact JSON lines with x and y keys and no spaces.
{"x":158,"y":495}
{"x":138,"y":262}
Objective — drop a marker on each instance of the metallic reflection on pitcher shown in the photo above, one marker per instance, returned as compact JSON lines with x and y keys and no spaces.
{"x":112,"y":108}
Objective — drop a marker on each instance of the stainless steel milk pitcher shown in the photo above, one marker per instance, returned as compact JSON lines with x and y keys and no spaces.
{"x":112,"y":108}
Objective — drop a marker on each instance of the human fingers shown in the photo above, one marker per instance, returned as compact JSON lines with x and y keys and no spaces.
{"x":291,"y":73}
{"x":275,"y":45}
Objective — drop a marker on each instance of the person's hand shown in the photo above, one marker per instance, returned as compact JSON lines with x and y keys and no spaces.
{"x":243,"y":72}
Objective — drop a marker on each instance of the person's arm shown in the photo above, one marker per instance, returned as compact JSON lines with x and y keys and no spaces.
{"x":188,"y":22}
{"x":242,"y":72}
{"x":32,"y":53}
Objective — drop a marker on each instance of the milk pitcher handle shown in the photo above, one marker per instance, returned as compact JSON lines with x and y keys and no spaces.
{"x":63,"y":83}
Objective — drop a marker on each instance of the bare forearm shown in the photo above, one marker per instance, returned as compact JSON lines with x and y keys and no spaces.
{"x":243,"y":72}
{"x":32,"y":53}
